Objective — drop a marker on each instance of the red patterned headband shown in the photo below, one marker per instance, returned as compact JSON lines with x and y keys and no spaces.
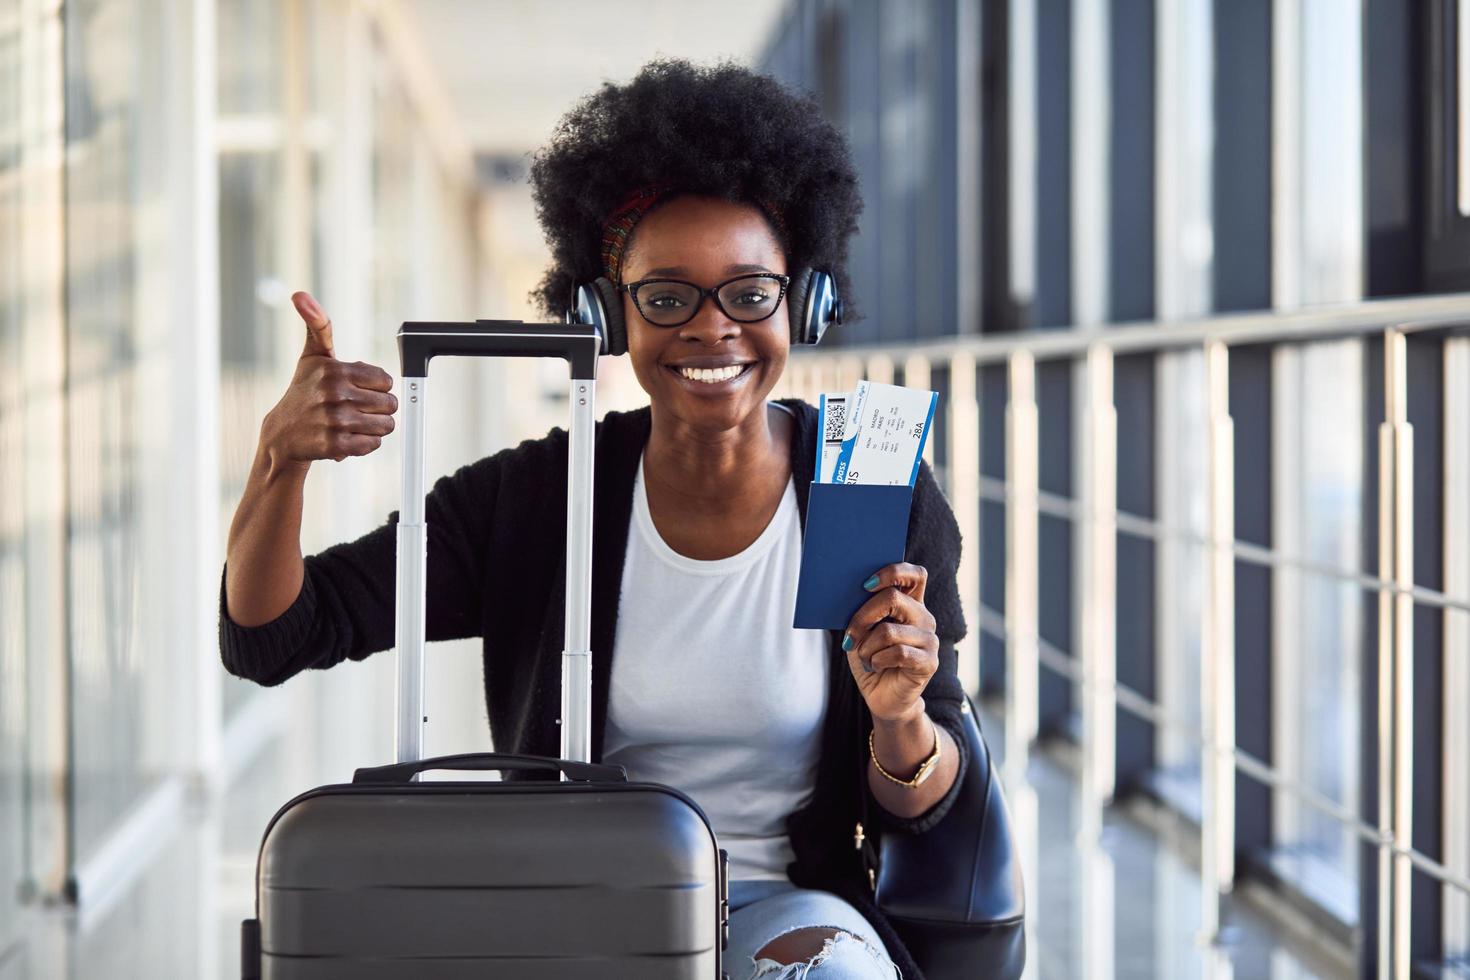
{"x":619,"y":224}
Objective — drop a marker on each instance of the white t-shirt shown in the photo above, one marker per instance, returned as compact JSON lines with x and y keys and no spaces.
{"x":712,"y":690}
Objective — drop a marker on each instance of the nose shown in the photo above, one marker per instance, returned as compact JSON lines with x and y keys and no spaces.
{"x":709,"y":325}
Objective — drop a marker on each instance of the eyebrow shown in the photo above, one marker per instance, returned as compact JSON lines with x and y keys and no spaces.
{"x":681,"y":270}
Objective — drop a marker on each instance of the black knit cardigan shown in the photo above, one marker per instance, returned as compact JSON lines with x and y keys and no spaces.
{"x":497,"y":570}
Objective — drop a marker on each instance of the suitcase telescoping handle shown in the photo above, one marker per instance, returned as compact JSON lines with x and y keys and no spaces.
{"x":404,"y":772}
{"x":418,"y":343}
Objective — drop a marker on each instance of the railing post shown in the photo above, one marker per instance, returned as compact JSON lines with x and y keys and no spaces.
{"x":1022,"y":454}
{"x":879,"y":368}
{"x":964,"y":491}
{"x":1098,"y":635}
{"x":1395,"y":661}
{"x":1217,"y":648}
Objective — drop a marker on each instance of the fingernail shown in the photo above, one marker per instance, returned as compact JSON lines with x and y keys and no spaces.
{"x":867,"y":667}
{"x":847,"y":641}
{"x":871,"y":583}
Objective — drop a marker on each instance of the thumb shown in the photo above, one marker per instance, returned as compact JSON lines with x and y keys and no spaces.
{"x":318,"y":327}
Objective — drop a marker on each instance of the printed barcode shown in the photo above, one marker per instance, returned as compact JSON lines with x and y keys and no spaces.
{"x":836,"y":422}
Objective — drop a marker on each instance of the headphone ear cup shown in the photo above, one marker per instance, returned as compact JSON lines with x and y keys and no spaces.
{"x":815,"y":306}
{"x":597,"y":303}
{"x":796,"y":297}
{"x":612,"y":308}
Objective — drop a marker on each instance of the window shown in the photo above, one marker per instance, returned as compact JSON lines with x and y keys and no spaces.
{"x":1447,"y":225}
{"x":1182,"y":482}
{"x":122,"y":153}
{"x":1318,"y":419}
{"x":1184,"y":260}
{"x":1318,"y":509}
{"x":18,"y":54}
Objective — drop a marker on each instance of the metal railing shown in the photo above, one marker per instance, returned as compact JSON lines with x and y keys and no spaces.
{"x":1098,"y":521}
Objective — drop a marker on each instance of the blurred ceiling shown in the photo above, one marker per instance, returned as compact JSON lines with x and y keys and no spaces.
{"x":512,"y":67}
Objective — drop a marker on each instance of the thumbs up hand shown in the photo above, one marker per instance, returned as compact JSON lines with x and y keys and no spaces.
{"x":332,"y":409}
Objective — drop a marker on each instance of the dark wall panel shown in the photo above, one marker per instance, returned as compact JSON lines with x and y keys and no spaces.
{"x":1052,"y":304}
{"x":1134,"y":400}
{"x":993,"y":522}
{"x":1241,"y":211}
{"x":1426,"y":415}
{"x":1393,"y":93}
{"x":1250,"y":410}
{"x":1446,"y":230}
{"x":1368,"y":883}
{"x":1241,"y":206}
{"x":997,"y":306}
{"x":1131,"y":161}
{"x":1130,"y":278}
{"x":1054,"y":411}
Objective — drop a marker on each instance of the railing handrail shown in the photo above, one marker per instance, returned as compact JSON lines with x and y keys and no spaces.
{"x":1094,"y":509}
{"x":1315,"y":323}
{"x":1137,"y":525}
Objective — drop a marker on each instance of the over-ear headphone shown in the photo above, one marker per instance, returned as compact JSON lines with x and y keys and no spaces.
{"x":811,"y":297}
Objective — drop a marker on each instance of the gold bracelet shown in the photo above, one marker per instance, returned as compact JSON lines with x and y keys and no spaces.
{"x":925,"y":767}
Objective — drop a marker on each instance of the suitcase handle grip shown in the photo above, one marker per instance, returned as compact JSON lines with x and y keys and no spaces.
{"x":403,"y":772}
{"x":578,"y":343}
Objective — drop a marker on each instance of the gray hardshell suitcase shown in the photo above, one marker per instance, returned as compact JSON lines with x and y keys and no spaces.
{"x":590,"y":877}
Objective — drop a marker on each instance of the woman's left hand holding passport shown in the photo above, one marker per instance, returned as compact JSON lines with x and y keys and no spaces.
{"x":891,"y":645}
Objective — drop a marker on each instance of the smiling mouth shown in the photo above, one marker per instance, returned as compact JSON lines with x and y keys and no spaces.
{"x":713,"y":377}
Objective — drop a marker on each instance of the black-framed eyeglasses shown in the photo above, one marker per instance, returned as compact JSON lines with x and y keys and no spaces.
{"x":747,"y":298}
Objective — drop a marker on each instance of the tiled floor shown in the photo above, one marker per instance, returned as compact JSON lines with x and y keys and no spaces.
{"x":1124,"y":906}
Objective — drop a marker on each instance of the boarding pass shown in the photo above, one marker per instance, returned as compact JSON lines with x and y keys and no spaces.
{"x":884,"y":428}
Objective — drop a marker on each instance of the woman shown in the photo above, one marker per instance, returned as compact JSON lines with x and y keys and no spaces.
{"x":705,"y":175}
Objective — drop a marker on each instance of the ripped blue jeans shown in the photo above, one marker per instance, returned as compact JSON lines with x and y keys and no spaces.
{"x":760,"y":911}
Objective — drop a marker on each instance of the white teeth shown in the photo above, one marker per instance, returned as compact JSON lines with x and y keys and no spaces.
{"x":712,"y":375}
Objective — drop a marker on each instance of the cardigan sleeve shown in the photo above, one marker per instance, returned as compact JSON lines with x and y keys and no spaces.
{"x":346,"y":606}
{"x":934,"y":542}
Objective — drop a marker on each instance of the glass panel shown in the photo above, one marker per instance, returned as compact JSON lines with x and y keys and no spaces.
{"x":121,"y":468}
{"x":32,"y":719}
{"x":250,"y":289}
{"x":1183,"y":504}
{"x":249,"y":53}
{"x":1318,"y":472}
{"x":1183,"y":267}
{"x":253,"y":290}
{"x":12,"y":505}
{"x":1185,"y":143}
{"x":1318,"y":440}
{"x":395,"y":137}
{"x":1317,"y":159}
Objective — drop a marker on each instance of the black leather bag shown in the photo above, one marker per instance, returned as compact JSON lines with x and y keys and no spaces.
{"x":954,"y":893}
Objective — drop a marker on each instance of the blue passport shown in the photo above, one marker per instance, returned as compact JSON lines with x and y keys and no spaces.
{"x":852,"y":530}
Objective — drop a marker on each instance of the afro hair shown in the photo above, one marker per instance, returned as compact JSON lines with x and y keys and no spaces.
{"x":721,"y":131}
